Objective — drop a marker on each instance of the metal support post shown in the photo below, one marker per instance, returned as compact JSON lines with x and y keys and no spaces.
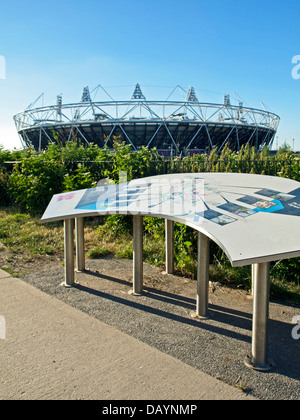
{"x":69,"y":252}
{"x":261,"y":290}
{"x":79,"y":233}
{"x":202,"y":276}
{"x":137,"y":255}
{"x":169,"y":234}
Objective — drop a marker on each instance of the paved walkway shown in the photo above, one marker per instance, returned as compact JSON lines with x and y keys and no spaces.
{"x":52,"y":351}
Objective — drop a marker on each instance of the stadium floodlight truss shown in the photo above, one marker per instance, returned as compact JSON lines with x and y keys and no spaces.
{"x":173,"y":127}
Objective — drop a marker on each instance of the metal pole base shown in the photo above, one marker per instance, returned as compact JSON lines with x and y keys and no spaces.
{"x":262,"y":368}
{"x":206,"y":317}
{"x":64,"y":284}
{"x":69,"y":286}
{"x":133,"y":293}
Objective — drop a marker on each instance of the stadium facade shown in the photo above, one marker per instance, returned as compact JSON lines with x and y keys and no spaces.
{"x":173,"y":127}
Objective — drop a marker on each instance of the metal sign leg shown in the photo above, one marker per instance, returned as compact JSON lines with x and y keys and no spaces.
{"x":169,"y":229}
{"x":69,"y":252}
{"x":137,"y":255}
{"x":261,"y":290}
{"x":79,"y":233}
{"x":202,"y":277}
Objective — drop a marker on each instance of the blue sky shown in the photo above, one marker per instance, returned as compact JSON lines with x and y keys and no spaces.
{"x":221,"y":46}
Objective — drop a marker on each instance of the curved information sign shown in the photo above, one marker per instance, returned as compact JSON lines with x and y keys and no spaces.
{"x":254,"y":218}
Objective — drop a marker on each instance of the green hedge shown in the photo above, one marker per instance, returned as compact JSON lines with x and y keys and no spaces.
{"x":32,"y":180}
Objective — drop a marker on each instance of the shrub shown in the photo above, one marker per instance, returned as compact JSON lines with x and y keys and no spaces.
{"x":34,"y":181}
{"x":287,"y":270}
{"x":81,"y":179}
{"x":5,"y":198}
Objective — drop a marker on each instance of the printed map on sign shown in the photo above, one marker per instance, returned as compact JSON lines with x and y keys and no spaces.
{"x":192,"y":197}
{"x":165,"y":196}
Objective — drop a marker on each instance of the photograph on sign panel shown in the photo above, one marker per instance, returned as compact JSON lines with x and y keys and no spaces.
{"x":219,"y":218}
{"x":275,"y":194}
{"x":253,"y":201}
{"x":237,"y":210}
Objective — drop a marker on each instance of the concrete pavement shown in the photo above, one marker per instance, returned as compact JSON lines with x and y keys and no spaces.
{"x":54,"y":351}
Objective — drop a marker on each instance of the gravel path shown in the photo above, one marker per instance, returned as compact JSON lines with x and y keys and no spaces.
{"x":162,"y":319}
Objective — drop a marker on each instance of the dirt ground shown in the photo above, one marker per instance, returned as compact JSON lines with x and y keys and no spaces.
{"x":162,"y":318}
{"x":19,"y":265}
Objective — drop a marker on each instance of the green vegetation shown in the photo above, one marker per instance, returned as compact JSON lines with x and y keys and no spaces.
{"x":20,"y":232}
{"x":32,"y":180}
{"x":28,"y":180}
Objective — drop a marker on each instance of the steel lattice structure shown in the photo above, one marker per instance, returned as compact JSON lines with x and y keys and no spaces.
{"x":186,"y":126}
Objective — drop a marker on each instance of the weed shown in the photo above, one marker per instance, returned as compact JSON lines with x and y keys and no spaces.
{"x":98,"y":252}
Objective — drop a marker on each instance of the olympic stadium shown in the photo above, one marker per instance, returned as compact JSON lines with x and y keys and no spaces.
{"x":174,"y":127}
